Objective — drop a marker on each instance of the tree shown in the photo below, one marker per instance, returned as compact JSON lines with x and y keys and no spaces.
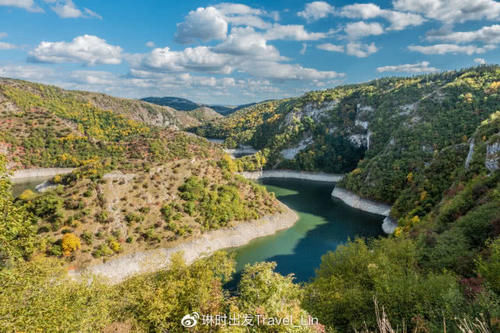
{"x":70,"y":243}
{"x":17,"y":234}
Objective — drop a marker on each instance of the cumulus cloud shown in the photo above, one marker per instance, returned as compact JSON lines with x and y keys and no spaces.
{"x":361,"y":29}
{"x":293,"y":32}
{"x":450,"y":48}
{"x":398,"y":20}
{"x":202,"y":24}
{"x":420,"y":67}
{"x":480,"y":61}
{"x":67,"y":9}
{"x":26,"y":72}
{"x":279,"y":71}
{"x":86,"y":49}
{"x":248,"y":42}
{"x":487,"y":35}
{"x":331,"y":47}
{"x":29,"y":5}
{"x":239,"y":14}
{"x":452,"y":11}
{"x":316,"y":10}
{"x":361,"y":50}
{"x":200,"y":59}
{"x":150,"y":44}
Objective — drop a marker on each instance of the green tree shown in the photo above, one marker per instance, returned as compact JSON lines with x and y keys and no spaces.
{"x":17,"y":234}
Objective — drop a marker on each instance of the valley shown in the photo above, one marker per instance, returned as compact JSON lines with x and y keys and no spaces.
{"x":298,"y":192}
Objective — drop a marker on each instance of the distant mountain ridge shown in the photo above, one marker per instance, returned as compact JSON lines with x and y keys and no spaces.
{"x":184,"y":104}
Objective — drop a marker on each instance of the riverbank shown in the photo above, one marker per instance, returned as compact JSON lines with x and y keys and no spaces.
{"x":121,"y":268}
{"x":27,"y":175}
{"x":302,"y":175}
{"x":355,"y":201}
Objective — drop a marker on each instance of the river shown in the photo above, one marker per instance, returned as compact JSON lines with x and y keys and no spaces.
{"x":324,"y":224}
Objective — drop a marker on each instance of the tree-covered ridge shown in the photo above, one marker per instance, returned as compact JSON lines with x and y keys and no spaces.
{"x":381,"y":131}
{"x":44,"y":126}
{"x":126,"y":194}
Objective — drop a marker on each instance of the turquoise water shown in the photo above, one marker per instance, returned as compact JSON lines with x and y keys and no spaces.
{"x":324,"y":224}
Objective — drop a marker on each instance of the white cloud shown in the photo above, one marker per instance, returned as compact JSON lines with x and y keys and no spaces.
{"x":26,"y":72}
{"x":67,"y":9}
{"x":361,"y":29}
{"x":480,"y":61}
{"x":29,"y":5}
{"x":331,"y":47}
{"x":303,"y":49}
{"x":202,"y":24}
{"x":398,"y":20}
{"x":5,"y":45}
{"x":279,"y":71}
{"x":86,"y":49}
{"x":247,"y":42}
{"x":150,"y":44}
{"x":450,"y":48}
{"x":200,"y":59}
{"x":227,"y":8}
{"x":360,"y":50}
{"x":238,"y":15}
{"x":452,"y":11}
{"x":487,"y":35}
{"x":293,"y":32}
{"x":420,"y":67}
{"x":316,"y":10}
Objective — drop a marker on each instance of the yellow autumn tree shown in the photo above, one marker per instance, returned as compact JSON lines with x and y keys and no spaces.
{"x":70,"y":243}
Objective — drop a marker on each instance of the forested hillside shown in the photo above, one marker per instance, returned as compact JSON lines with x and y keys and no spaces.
{"x":136,"y":186}
{"x":381,"y":132}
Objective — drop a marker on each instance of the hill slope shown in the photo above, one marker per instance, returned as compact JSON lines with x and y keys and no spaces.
{"x":380,"y":132}
{"x":137,"y":185}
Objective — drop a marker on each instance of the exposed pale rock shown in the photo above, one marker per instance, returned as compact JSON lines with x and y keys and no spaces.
{"x":470,"y":153}
{"x":492,"y":156}
{"x":359,"y":140}
{"x":25,"y":175}
{"x":290,"y":153}
{"x":304,"y":175}
{"x":361,"y":123}
{"x":357,"y":202}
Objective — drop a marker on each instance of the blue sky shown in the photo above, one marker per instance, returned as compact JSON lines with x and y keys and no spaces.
{"x":239,"y":52}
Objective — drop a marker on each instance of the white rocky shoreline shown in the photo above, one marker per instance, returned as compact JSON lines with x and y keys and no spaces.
{"x":121,"y":268}
{"x":367,"y":205}
{"x":26,"y":175}
{"x":290,"y":174}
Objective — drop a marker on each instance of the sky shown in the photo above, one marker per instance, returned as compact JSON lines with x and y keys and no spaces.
{"x":232,"y":53}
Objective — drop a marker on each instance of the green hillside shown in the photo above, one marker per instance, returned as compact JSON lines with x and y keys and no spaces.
{"x":379,"y":132}
{"x":132,"y":187}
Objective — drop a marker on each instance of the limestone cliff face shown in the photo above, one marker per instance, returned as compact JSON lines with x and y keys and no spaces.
{"x":492,"y":156}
